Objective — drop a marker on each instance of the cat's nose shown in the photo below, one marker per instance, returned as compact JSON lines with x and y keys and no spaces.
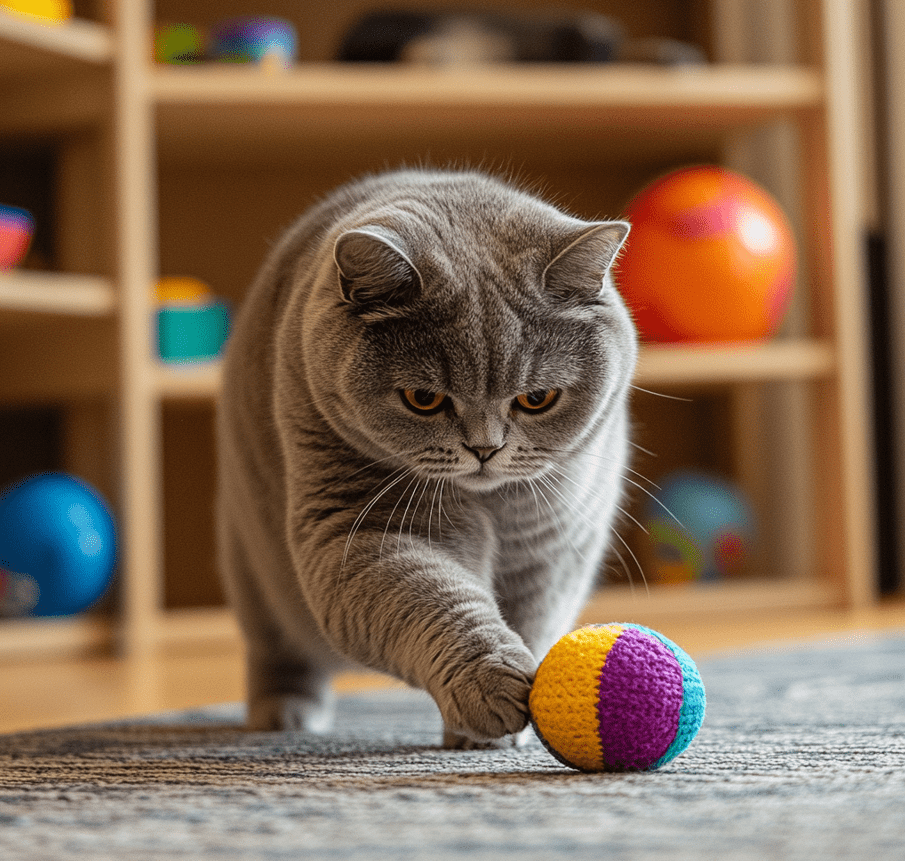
{"x":484,"y":454}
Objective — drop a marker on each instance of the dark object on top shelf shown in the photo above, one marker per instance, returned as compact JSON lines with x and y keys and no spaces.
{"x":465,"y":38}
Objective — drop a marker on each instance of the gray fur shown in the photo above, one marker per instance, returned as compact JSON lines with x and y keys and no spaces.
{"x":453,"y":549}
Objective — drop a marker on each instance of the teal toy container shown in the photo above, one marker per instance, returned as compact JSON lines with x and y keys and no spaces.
{"x":192,"y":333}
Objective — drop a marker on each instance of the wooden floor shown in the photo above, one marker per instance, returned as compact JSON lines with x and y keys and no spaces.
{"x":55,"y":693}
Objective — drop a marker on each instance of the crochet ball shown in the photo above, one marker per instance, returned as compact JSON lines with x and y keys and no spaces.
{"x":616,"y":697}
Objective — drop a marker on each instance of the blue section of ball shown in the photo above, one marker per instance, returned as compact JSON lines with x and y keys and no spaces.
{"x":57,"y":546}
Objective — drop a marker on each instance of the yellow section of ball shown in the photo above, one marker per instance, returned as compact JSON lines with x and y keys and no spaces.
{"x":564,"y":697}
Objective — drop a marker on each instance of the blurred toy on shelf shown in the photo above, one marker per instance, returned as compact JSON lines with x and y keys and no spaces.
{"x":480,"y":37}
{"x":711,"y":257}
{"x":16,"y":230}
{"x":39,"y":11}
{"x":700,"y":526}
{"x":192,"y":324}
{"x":269,"y":42}
{"x":57,"y":546}
{"x":178,"y":44}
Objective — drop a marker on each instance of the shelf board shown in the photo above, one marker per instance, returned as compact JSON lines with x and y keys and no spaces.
{"x":25,"y":291}
{"x":620,"y":603}
{"x":181,"y":627}
{"x":64,"y":637}
{"x":187,"y":381}
{"x":28,"y":48}
{"x":658,"y":366}
{"x":611,"y":603}
{"x":576,"y":109}
{"x":734,"y":363}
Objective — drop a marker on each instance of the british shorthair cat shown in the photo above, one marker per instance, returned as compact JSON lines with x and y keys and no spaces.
{"x":422,"y":439}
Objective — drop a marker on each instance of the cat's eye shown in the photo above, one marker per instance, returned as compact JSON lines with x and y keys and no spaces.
{"x":535,"y":402}
{"x":422,"y":401}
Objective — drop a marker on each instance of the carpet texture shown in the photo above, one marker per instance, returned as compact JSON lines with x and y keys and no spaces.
{"x":801,"y":756}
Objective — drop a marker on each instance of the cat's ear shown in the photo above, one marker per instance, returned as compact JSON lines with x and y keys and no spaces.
{"x":577,"y":272}
{"x":374,"y":270}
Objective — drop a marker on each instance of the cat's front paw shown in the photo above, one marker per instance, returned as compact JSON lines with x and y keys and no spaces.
{"x":487,"y":698}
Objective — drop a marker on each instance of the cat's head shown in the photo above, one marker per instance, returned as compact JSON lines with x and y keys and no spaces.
{"x":482,"y":336}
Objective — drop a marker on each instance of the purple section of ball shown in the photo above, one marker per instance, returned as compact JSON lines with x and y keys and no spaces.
{"x":639,"y":702}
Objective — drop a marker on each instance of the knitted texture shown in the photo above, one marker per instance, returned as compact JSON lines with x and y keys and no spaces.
{"x":617,"y":697}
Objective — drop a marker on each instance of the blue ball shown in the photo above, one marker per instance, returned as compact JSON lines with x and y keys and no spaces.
{"x":254,"y":40}
{"x":702,"y":528}
{"x":57,"y":546}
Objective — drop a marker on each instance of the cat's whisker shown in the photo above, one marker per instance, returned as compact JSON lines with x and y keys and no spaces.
{"x":580,"y":514}
{"x":640,"y":567}
{"x":364,"y":512}
{"x":613,"y":460}
{"x":430,"y":516}
{"x":600,"y":498}
{"x":655,"y":499}
{"x":549,"y":484}
{"x":643,"y":490}
{"x":376,"y":463}
{"x":605,"y":459}
{"x":415,"y":511}
{"x":393,"y":512}
{"x":440,"y":506}
{"x":536,"y":501}
{"x":662,"y":395}
{"x":404,"y":513}
{"x":628,"y":574}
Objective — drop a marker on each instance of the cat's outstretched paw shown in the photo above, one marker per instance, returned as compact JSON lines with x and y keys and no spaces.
{"x":291,"y":712}
{"x":486,"y":698}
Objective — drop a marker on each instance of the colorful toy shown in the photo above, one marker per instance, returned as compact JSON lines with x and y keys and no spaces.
{"x":178,"y":45}
{"x":16,"y":230}
{"x":57,"y":546}
{"x":616,"y":697}
{"x":192,"y":325}
{"x":714,"y":534}
{"x":711,"y":257}
{"x":269,"y":41}
{"x":41,"y":11}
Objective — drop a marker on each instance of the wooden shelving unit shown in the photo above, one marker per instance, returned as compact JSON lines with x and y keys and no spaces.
{"x":52,"y":293}
{"x":193,"y":170}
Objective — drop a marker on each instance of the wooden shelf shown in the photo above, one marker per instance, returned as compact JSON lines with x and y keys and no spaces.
{"x":620,"y":603}
{"x":187,"y":382}
{"x":29,"y":49}
{"x":181,"y":628}
{"x":659,"y":366}
{"x":24,"y":291}
{"x":135,"y":194}
{"x":529,"y":108}
{"x":70,"y":636}
{"x":734,"y":363}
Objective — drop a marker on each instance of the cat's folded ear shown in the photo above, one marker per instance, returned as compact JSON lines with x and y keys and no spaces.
{"x":374,"y":270}
{"x":577,"y":272}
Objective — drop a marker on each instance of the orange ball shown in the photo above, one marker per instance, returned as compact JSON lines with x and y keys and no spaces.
{"x":711,"y":257}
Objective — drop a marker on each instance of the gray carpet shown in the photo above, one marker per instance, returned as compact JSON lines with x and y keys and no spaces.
{"x":802,"y":756}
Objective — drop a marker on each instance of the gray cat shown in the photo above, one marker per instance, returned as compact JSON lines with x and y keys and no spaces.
{"x":422,"y":440}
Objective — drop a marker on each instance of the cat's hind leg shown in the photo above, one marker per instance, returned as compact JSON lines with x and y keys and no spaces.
{"x":287,"y":694}
{"x":285,"y":690}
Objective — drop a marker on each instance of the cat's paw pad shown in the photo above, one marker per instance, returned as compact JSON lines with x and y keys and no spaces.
{"x":487,"y":698}
{"x":290,"y":712}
